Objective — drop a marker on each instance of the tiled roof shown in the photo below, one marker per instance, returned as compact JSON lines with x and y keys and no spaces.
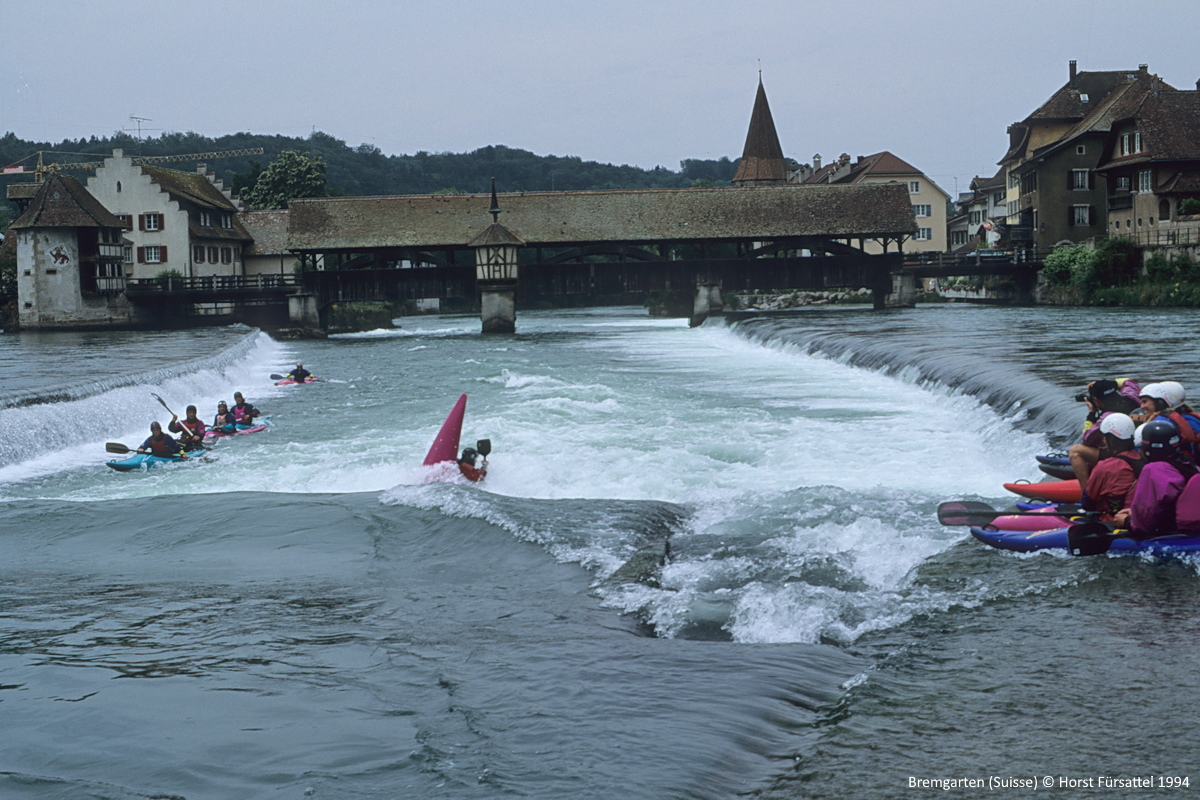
{"x":564,"y":218}
{"x":269,"y":230}
{"x":1068,"y":103}
{"x":190,"y":186}
{"x":63,"y":202}
{"x":762,"y":158}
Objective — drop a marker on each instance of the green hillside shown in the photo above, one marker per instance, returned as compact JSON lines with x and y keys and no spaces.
{"x":365,"y":170}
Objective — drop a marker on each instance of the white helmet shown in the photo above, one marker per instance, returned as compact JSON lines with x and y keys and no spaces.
{"x":1166,"y":391}
{"x":1137,"y":436}
{"x":1119,"y":425}
{"x":1175,"y":394}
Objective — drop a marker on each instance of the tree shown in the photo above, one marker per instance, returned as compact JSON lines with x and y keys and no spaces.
{"x":293,"y":174}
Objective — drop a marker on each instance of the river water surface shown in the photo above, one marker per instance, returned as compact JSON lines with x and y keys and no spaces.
{"x":705,"y":564}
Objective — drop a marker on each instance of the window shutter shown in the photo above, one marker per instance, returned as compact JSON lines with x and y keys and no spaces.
{"x":1091,"y":180}
{"x":1091,"y":215}
{"x":162,"y":224}
{"x":141,"y":255}
{"x":162,"y":253}
{"x":141,"y":222}
{"x":1070,"y":179}
{"x":1070,"y":215}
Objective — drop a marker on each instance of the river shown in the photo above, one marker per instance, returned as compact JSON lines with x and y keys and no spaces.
{"x":301,"y":615}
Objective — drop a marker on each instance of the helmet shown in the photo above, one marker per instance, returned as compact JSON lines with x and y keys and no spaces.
{"x":469,"y":455}
{"x":1160,"y":440}
{"x":1137,"y":436}
{"x":1118,"y":425}
{"x":299,"y":363}
{"x":1173,"y":393}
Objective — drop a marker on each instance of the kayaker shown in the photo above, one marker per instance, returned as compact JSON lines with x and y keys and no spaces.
{"x":160,"y":444}
{"x":242,"y":411}
{"x":1161,"y":401}
{"x":1168,"y":469}
{"x":1103,"y":397}
{"x":191,"y":429}
{"x":466,"y":465}
{"x":224,"y":421}
{"x":1110,"y":486}
{"x":299,"y":374}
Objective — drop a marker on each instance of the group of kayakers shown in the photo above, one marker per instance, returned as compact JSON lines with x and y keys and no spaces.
{"x":191,"y":428}
{"x":1136,"y":462}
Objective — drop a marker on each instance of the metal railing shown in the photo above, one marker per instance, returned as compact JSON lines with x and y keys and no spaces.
{"x":211,"y":283}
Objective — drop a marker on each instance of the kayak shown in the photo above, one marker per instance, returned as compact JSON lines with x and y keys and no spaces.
{"x":219,"y":432}
{"x":290,"y":382}
{"x":1056,"y":539}
{"x":1065,"y":491}
{"x":445,"y":444}
{"x":1054,"y":461}
{"x":1058,"y":471}
{"x":141,"y":461}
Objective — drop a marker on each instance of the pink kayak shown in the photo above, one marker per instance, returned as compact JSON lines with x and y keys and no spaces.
{"x":290,"y":382}
{"x":262,"y":426}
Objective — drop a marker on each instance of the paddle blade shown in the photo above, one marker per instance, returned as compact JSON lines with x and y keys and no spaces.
{"x":117,"y":447}
{"x":1089,"y":539}
{"x":163,"y":403}
{"x":484,"y":446}
{"x":275,"y":376}
{"x":966,"y":512}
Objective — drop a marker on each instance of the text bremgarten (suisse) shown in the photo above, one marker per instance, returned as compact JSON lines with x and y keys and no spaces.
{"x":1052,"y":782}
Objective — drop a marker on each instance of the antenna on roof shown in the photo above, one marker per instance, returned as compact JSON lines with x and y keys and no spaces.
{"x":495,"y":209}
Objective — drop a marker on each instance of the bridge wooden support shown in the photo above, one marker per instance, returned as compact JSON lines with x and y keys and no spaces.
{"x":708,"y":300}
{"x":497,"y":306}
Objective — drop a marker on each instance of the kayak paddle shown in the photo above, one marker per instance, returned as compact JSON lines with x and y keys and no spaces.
{"x":1092,"y":538}
{"x":275,"y":376}
{"x":967,"y":512}
{"x":484,"y":446}
{"x":122,"y":449}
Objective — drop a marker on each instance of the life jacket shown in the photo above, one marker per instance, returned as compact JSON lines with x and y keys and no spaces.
{"x":471,"y":473}
{"x":242,"y":413}
{"x":1136,"y":462}
{"x":164,"y":447}
{"x":1186,"y":432}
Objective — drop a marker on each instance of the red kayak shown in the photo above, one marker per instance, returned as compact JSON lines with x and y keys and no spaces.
{"x":1055,"y":491}
{"x":290,"y":382}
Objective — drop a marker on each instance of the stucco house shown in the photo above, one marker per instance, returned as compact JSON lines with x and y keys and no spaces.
{"x":185,"y":222}
{"x":69,"y":259}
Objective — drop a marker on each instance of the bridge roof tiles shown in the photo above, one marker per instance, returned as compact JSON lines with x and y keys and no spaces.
{"x":567,"y":218}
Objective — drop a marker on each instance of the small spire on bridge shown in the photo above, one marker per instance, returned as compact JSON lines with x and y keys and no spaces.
{"x":495,"y":209}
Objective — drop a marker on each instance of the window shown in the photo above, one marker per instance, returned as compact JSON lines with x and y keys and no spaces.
{"x":227,"y":220}
{"x":1125,"y":144}
{"x":960,"y":238}
{"x":226,"y":255}
{"x":1080,"y":150}
{"x":1137,"y":141}
{"x":1013,"y":180}
{"x":198,"y":254}
{"x":150,"y":222}
{"x":118,"y":186}
{"x":214,"y":255}
{"x":1143,"y":177}
{"x":1029,"y":182}
{"x":153,"y":254}
{"x":1081,"y":215}
{"x":923,"y":235}
{"x":127,"y":219}
{"x":914,"y":187}
{"x":998,"y":198}
{"x":128,"y":253}
{"x":923,"y":210}
{"x":1079,"y":179}
{"x":205,"y":219}
{"x":1123,"y":183}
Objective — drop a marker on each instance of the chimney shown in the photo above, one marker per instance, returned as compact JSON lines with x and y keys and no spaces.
{"x":1072,"y":65}
{"x":1143,"y":67}
{"x":817,"y":157}
{"x":200,"y":167}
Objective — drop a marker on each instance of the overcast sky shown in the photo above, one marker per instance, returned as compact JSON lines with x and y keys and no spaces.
{"x":643,"y":82}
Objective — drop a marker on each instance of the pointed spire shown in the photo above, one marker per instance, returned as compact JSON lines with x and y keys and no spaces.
{"x":762,"y":161}
{"x":495,"y":209}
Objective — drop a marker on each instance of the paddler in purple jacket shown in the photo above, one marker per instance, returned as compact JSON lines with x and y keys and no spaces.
{"x":161,"y":445}
{"x":1152,"y":512}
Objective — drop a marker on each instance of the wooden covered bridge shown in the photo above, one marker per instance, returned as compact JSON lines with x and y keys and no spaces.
{"x":601,"y":244}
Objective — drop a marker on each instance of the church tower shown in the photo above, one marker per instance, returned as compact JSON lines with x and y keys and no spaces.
{"x":762,"y":161}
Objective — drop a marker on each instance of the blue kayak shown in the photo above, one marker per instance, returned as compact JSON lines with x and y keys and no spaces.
{"x":1054,"y":460}
{"x":1029,"y":541}
{"x":140,"y":461}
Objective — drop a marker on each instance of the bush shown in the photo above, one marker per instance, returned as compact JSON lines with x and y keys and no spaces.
{"x":1069,"y":266}
{"x":1117,"y":262}
{"x":1190,"y":205}
{"x":1159,"y":269}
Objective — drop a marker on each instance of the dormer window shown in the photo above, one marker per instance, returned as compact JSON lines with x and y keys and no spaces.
{"x":1083,"y":98}
{"x":226,"y":220}
{"x":205,"y":219}
{"x":1137,"y":141}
